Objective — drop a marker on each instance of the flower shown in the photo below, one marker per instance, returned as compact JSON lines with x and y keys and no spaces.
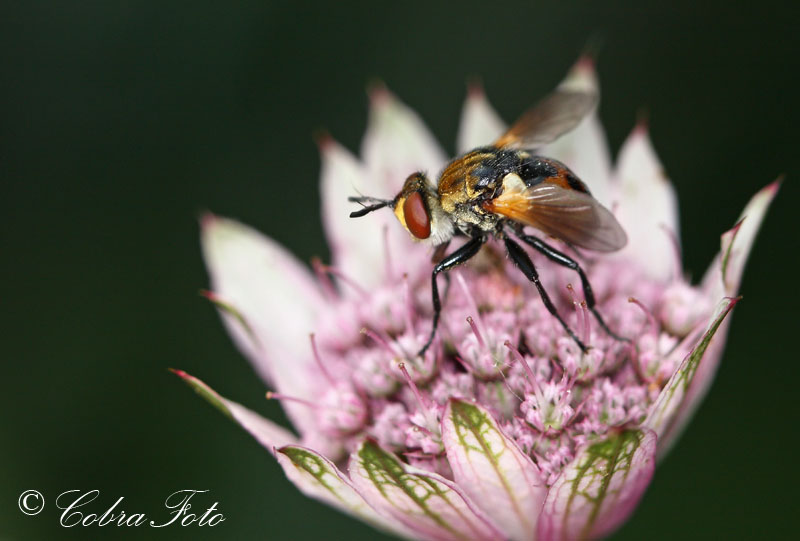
{"x":504,"y":428}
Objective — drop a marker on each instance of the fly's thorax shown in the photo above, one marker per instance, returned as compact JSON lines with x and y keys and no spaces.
{"x":418,"y":209}
{"x":468,"y":181}
{"x":467,"y":217}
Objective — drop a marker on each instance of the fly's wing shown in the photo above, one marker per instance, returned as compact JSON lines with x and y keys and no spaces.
{"x":569,"y":215}
{"x":551,"y":118}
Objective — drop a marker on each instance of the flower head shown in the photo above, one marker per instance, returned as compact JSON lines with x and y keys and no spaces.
{"x":504,"y":428}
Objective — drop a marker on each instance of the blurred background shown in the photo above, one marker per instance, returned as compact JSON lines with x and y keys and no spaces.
{"x":121,"y":121}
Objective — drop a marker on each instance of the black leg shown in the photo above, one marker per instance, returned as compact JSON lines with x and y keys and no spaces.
{"x":446,"y":288}
{"x":562,"y":259}
{"x":458,"y":257}
{"x":524,"y":263}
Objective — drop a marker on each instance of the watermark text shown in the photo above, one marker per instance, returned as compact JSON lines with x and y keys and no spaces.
{"x":82,"y":508}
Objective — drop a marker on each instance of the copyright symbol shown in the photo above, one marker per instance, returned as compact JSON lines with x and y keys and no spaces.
{"x":31,"y":502}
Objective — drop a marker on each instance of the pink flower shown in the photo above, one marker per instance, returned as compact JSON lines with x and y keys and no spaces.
{"x":504,"y":428}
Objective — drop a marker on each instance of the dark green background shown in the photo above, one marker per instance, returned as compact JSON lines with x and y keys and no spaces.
{"x":120,"y":121}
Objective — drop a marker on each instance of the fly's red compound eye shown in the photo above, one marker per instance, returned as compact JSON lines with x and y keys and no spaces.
{"x":418,"y":221}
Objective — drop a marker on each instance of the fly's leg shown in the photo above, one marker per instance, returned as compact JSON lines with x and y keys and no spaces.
{"x":524,"y":264}
{"x":438,"y":255}
{"x":562,"y":259}
{"x":464,"y":253}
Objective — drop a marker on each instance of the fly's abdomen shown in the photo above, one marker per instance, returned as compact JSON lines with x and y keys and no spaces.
{"x":534,"y":170}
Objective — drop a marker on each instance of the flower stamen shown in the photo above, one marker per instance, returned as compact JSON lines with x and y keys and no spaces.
{"x":318,"y":359}
{"x":476,"y":331}
{"x":330,"y":269}
{"x":471,"y":304}
{"x":587,"y":323}
{"x":529,"y":373}
{"x":581,"y":315}
{"x":423,"y":404}
{"x":465,"y":364}
{"x":378,"y":339}
{"x":285,"y":398}
{"x":324,"y":278}
{"x":651,"y":320}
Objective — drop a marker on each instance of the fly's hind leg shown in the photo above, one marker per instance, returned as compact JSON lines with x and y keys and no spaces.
{"x":524,"y":264}
{"x":562,"y":259}
{"x":464,"y":253}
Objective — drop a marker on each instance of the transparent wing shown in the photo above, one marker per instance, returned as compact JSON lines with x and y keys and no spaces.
{"x":566,"y":214}
{"x":555,"y":115}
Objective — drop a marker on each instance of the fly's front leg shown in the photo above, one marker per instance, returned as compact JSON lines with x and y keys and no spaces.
{"x":562,"y":259}
{"x":438,"y":255}
{"x":466,"y":252}
{"x":524,"y":264}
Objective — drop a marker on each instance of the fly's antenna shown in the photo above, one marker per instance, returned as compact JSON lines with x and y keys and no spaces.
{"x":370,"y":204}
